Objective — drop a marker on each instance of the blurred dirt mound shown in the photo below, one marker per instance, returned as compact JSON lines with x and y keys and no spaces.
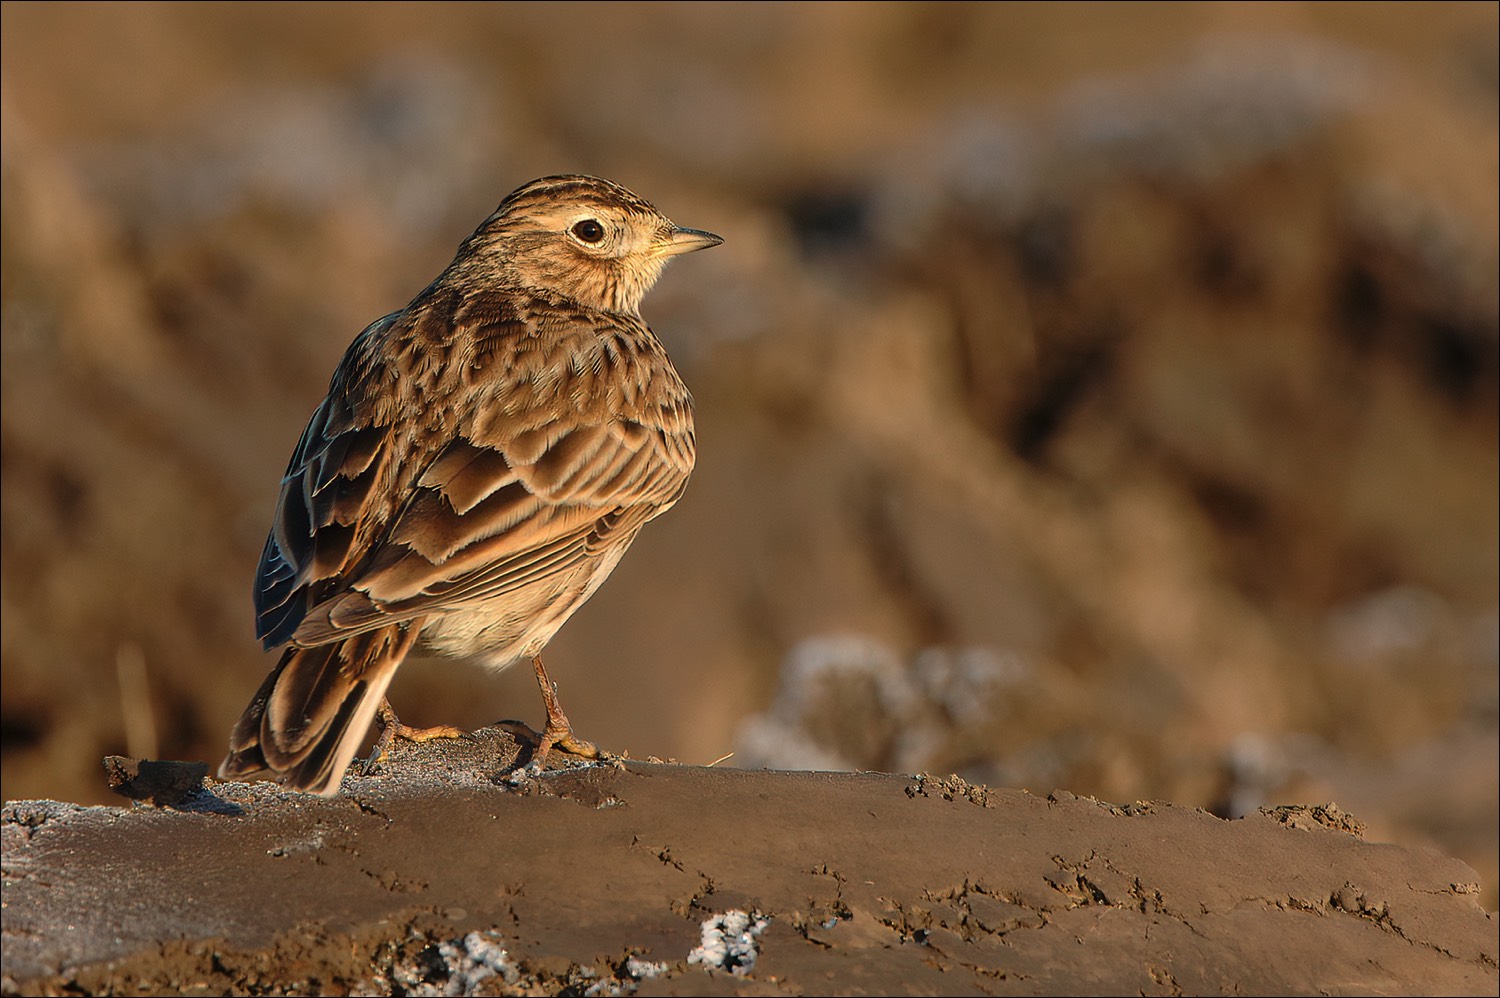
{"x":1107,"y":404}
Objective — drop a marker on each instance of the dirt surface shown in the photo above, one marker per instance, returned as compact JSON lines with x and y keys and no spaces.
{"x":437,"y":876}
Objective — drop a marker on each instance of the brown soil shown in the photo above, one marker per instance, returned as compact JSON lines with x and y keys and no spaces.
{"x":437,"y":876}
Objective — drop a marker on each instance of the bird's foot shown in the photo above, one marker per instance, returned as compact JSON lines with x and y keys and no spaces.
{"x":559,"y":730}
{"x":543,"y":743}
{"x":391,"y":729}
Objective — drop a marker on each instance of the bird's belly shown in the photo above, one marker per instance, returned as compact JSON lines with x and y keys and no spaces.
{"x":496,"y":635}
{"x":515,"y":625}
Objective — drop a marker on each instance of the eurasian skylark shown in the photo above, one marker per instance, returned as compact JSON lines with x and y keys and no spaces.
{"x":482,"y":461}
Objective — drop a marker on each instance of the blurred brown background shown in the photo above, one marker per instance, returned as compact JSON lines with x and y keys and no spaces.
{"x":1090,"y":396}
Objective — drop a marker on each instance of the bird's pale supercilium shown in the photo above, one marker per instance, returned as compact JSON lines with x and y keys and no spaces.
{"x":483,"y":459}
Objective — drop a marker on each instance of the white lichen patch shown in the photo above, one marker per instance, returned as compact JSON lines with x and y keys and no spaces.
{"x":625,"y":978}
{"x":642,"y":969}
{"x":468,"y":962}
{"x":729,"y":942}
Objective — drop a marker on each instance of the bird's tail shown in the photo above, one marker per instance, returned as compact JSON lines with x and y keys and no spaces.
{"x":308,"y":718}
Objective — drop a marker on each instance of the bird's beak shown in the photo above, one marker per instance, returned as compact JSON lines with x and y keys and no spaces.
{"x":679,"y":240}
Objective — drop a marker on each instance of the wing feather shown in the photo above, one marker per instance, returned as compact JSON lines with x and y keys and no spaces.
{"x":387,"y":517}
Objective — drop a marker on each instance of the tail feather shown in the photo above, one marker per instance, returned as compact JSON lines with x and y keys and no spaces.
{"x":309,"y":717}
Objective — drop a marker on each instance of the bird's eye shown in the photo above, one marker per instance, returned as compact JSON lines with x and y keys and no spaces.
{"x":588,"y":230}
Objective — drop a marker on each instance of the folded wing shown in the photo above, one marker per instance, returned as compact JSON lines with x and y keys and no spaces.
{"x":489,"y":511}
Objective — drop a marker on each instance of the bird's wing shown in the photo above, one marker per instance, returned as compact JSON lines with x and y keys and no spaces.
{"x":329,"y":505}
{"x":376,"y":525}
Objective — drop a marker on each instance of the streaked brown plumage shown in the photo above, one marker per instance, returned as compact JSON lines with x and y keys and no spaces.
{"x":482,"y":460}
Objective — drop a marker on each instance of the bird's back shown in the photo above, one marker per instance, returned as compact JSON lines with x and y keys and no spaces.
{"x":473,"y":449}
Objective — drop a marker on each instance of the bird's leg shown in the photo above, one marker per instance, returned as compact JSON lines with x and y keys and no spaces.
{"x":559,"y":731}
{"x":391,"y":728}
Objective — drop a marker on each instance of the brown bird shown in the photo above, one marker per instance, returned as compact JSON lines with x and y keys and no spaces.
{"x":482,"y":461}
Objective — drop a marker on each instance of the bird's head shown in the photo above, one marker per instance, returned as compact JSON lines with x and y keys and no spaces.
{"x":581,"y":237}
